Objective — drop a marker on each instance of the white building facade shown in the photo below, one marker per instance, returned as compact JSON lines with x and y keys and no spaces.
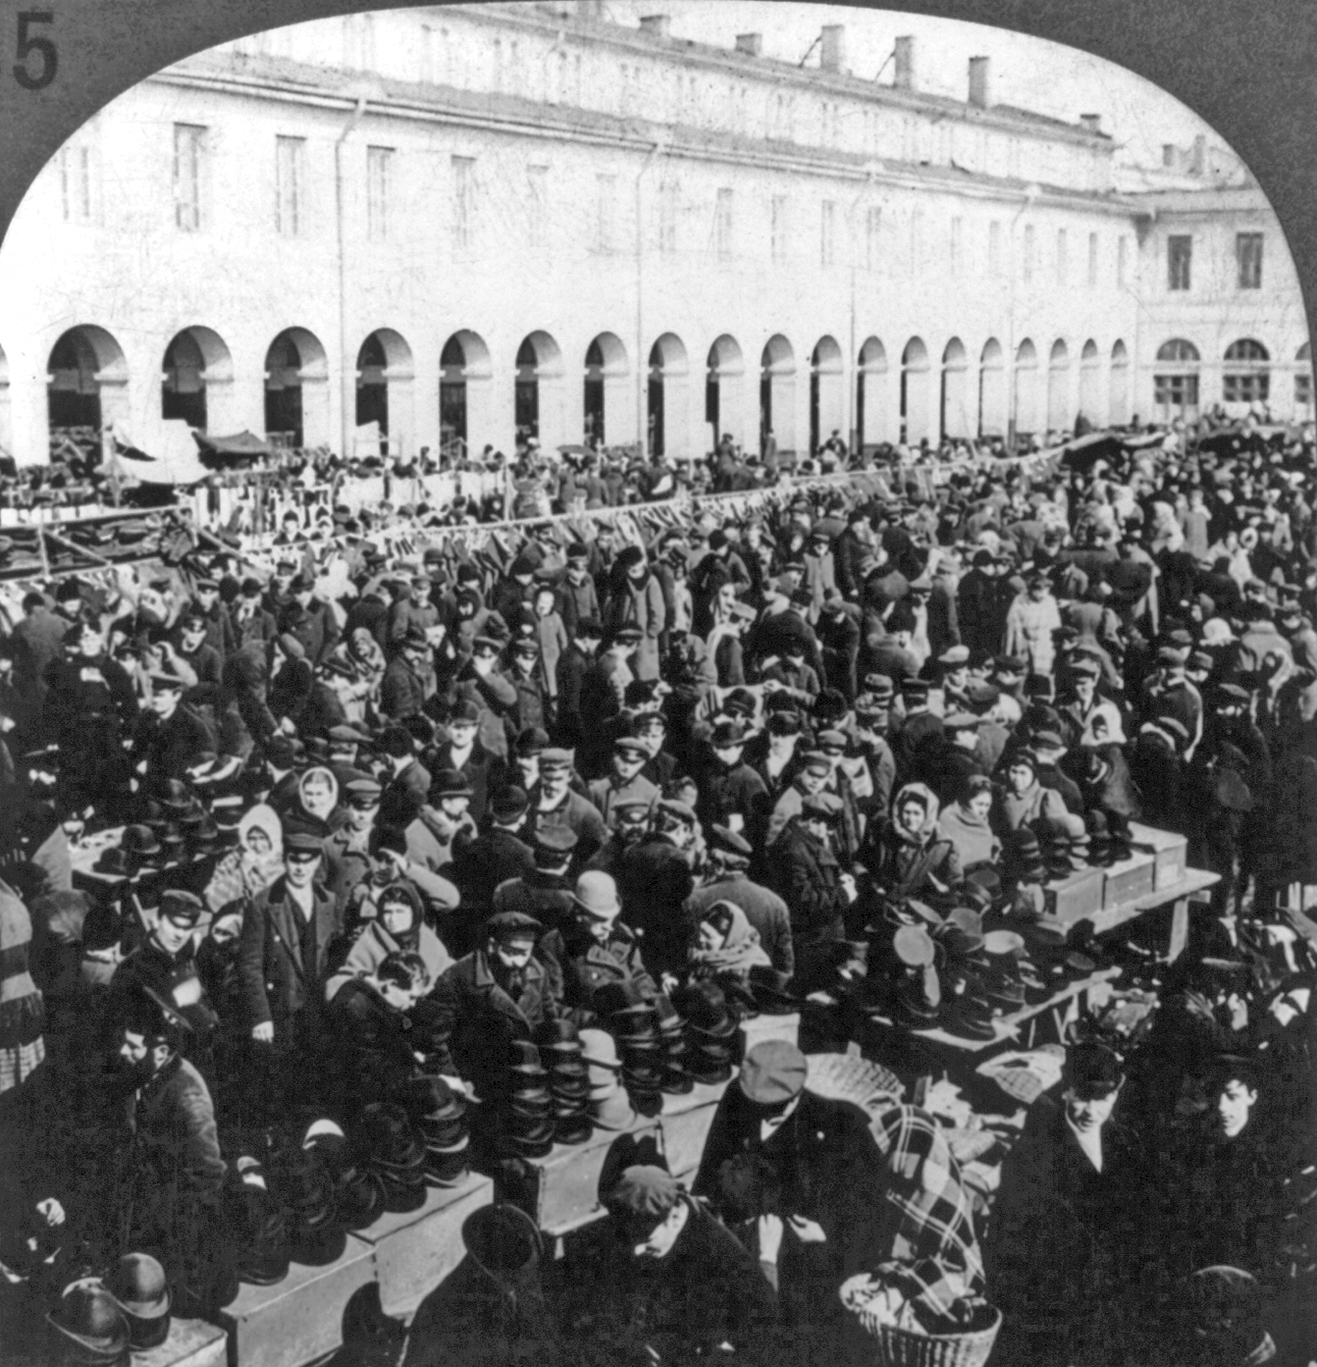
{"x":464,"y":222}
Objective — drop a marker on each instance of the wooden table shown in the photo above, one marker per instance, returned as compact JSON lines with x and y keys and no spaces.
{"x":1178,"y":895}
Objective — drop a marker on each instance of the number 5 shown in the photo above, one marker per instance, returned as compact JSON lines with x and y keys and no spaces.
{"x":27,"y":45}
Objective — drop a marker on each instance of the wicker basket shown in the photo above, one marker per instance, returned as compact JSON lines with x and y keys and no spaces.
{"x":902,"y":1348}
{"x":845,"y":1077}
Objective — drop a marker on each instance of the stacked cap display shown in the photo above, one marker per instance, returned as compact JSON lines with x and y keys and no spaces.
{"x":713,"y":1038}
{"x":525,"y":1107}
{"x":303,"y":1185}
{"x":569,"y":1081}
{"x":610,"y":1106}
{"x":358,"y":1191}
{"x":387,"y":1144}
{"x":259,"y":1227}
{"x":439,"y":1114}
{"x":675,"y":1080}
{"x":633,"y":1023}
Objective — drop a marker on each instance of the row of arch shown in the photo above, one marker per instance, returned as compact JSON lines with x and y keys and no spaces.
{"x":88,"y":374}
{"x":1245,"y":375}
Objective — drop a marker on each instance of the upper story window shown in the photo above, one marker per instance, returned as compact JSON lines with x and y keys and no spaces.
{"x":290,"y":186}
{"x":1028,"y":251}
{"x":1248,"y":260}
{"x":1179,"y":260}
{"x":873,"y":226}
{"x":75,"y":184}
{"x":605,"y":212}
{"x":827,"y":226}
{"x":464,"y":209}
{"x":722,"y":225}
{"x":1062,"y":257}
{"x":379,"y":191}
{"x":994,"y":247}
{"x":189,"y":151}
{"x":1092,"y":259}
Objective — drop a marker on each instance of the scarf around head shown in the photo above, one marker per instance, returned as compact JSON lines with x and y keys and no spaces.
{"x":740,"y":950}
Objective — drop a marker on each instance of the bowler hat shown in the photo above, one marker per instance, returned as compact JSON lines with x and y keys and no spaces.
{"x":140,"y":1288}
{"x":88,"y":1315}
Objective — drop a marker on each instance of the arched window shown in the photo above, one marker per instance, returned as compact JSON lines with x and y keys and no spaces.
{"x":1303,"y":381}
{"x":1175,"y":381}
{"x":1246,"y":378}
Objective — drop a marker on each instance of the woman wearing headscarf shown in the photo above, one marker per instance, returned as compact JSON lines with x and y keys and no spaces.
{"x":965,"y":823}
{"x":725,"y":946}
{"x":911,"y":857}
{"x":317,"y":797}
{"x":246,"y":872}
{"x":398,"y":926}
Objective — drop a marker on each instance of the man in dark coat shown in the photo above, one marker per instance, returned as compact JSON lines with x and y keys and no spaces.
{"x":585,"y":696}
{"x":166,"y":1185}
{"x":498,"y":993}
{"x":982,"y":602}
{"x":169,"y":737}
{"x":484,"y":861}
{"x":806,"y":875}
{"x":288,"y":934}
{"x":655,"y":881}
{"x":545,"y":893}
{"x":402,"y":690}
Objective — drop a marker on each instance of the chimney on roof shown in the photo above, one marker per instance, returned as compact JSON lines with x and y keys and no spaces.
{"x":904,"y":78}
{"x":752,"y":44}
{"x":1092,"y":122}
{"x":832,"y":55}
{"x":979,"y":72}
{"x":656,"y":24}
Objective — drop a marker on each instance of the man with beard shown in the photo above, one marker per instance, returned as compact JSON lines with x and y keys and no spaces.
{"x":498,"y":993}
{"x":555,"y":803}
{"x":167,"y":964}
{"x":167,"y":1182}
{"x":631,"y":825}
{"x":169,"y":736}
{"x":655,"y":881}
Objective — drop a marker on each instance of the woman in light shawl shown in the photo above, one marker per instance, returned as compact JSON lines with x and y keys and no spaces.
{"x":259,"y":859}
{"x":399,"y":925}
{"x":725,"y":946}
{"x":317,"y":793}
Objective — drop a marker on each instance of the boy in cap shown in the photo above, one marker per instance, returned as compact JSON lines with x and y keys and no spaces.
{"x":685,"y":1288}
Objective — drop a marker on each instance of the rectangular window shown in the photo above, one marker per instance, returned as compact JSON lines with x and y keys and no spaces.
{"x":1175,"y":391}
{"x":957,"y":228}
{"x":189,"y":144}
{"x":1028,"y":252}
{"x":669,"y":205}
{"x":1303,"y":389}
{"x":1062,"y":256}
{"x":605,"y":212}
{"x":1121,"y":266}
{"x":994,"y":248}
{"x":827,"y":224}
{"x":1249,"y":386}
{"x":1248,"y":258}
{"x":75,"y":184}
{"x":873,"y":226}
{"x":290,"y":189}
{"x":1179,"y":258}
{"x":537,"y":185}
{"x":1092,"y":258}
{"x":722,"y":225}
{"x":464,"y":175}
{"x":778,"y":228}
{"x":379,"y":187}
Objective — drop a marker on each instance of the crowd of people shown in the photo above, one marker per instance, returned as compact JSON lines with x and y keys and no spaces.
{"x":408,"y":862}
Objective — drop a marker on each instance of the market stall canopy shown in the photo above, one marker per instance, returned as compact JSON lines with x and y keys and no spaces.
{"x":219,"y":453}
{"x":174,"y":461}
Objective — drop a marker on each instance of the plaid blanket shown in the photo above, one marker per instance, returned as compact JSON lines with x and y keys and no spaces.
{"x":927,"y":1216}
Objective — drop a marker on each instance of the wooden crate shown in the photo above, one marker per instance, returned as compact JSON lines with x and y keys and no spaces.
{"x":1072,"y":898}
{"x":1169,"y":854}
{"x":414,"y":1251}
{"x":1129,"y":879}
{"x":300,"y":1318}
{"x":191,"y":1343}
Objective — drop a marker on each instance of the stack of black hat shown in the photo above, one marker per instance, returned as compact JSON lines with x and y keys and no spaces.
{"x":713,"y":1037}
{"x":259,"y":1227}
{"x":918,"y":990}
{"x":569,"y":1081}
{"x":387,"y":1144}
{"x":304,"y":1187}
{"x":672,"y":1035}
{"x":1002,"y":980}
{"x":524,"y":1110}
{"x":633,"y":1023}
{"x":358,"y":1191}
{"x":439,"y":1116}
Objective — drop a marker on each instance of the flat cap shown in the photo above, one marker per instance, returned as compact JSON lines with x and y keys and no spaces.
{"x":555,"y":839}
{"x":303,"y":841}
{"x":824,"y":806}
{"x":681,"y":810}
{"x":774,"y":1072}
{"x":513,"y":925}
{"x":644,"y":1192}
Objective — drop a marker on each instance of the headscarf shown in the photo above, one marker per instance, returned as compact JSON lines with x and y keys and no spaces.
{"x":243,"y":873}
{"x":917,"y":792}
{"x":410,"y":939}
{"x":321,"y":773}
{"x":740,"y":950}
